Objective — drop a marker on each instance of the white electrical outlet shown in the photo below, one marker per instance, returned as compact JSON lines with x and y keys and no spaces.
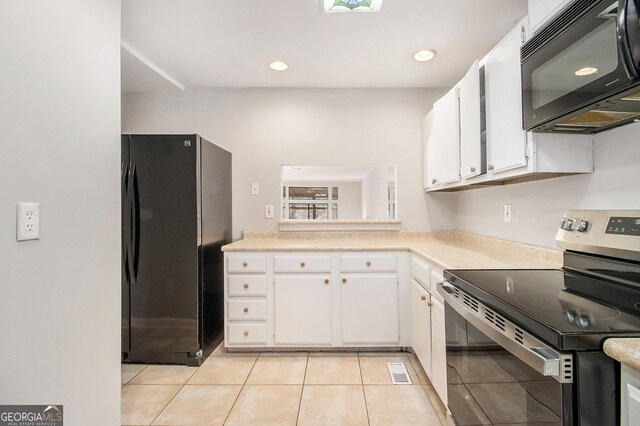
{"x":255,"y":189}
{"x":507,"y":213}
{"x":27,"y":221}
{"x":268,"y":211}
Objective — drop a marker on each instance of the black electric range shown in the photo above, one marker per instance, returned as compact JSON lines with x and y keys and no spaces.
{"x":539,"y":333}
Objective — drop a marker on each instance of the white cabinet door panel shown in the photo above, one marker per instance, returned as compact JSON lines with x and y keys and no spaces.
{"x":443,"y":142}
{"x":438,"y":350}
{"x":369,"y":309}
{"x":505,"y":138}
{"x":302,"y":310}
{"x":421,"y":326}
{"x":470,"y":146}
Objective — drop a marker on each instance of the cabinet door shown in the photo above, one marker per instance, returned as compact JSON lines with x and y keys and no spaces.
{"x":302,"y":310}
{"x":438,"y":350}
{"x":369,"y":309}
{"x":421,"y":326}
{"x":443,"y":142}
{"x":470,"y":130}
{"x":505,"y":138}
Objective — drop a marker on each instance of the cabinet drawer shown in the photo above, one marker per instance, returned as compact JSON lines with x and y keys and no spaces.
{"x":363,"y":263}
{"x":247,"y":285}
{"x":421,"y":272}
{"x":301,"y":263}
{"x":247,"y":334}
{"x":247,"y":309}
{"x":247,"y":263}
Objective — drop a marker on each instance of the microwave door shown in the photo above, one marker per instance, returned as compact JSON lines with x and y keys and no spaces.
{"x":573,"y":67}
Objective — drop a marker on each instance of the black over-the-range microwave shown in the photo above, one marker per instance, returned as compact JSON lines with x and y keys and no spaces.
{"x":581,"y":71}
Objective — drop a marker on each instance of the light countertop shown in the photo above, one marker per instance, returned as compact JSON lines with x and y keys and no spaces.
{"x":449,"y":249}
{"x":624,"y":350}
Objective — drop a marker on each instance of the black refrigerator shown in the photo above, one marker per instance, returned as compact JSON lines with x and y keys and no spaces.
{"x":176,"y":216}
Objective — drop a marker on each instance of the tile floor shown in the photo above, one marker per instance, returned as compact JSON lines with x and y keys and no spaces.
{"x":280,"y":389}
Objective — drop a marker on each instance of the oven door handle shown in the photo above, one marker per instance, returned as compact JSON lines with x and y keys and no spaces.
{"x":535,"y":354}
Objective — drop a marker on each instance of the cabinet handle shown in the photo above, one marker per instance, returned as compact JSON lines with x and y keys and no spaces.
{"x":246,"y":332}
{"x":246,"y":285}
{"x":246,"y":310}
{"x":433,"y":181}
{"x":490,"y":167}
{"x":344,"y":281}
{"x":368,"y":263}
{"x":429,"y":303}
{"x":423,"y":297}
{"x":244,"y":264}
{"x":472,"y":169}
{"x":326,"y":281}
{"x":302,"y":264}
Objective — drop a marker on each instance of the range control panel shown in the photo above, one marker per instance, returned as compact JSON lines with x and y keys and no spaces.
{"x":603,"y":232}
{"x":623,"y":225}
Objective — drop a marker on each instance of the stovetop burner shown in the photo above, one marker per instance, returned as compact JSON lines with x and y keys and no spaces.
{"x":570,"y":306}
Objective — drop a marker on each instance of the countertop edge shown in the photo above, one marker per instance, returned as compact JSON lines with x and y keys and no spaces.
{"x":625,"y":350}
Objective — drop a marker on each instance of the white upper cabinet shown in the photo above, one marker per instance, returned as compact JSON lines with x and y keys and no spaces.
{"x":442,"y":140}
{"x":506,"y":139}
{"x":540,"y":11}
{"x":470,"y":126}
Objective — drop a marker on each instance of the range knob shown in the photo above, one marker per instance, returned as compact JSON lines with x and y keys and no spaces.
{"x":566,"y":223}
{"x":579,"y":225}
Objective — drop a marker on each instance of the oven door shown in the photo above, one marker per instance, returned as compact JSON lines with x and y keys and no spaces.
{"x":487,"y":383}
{"x":571,"y":67}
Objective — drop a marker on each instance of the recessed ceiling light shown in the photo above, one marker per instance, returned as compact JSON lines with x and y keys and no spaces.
{"x":424,"y":55}
{"x":586,"y":71}
{"x":332,"y":6}
{"x":278,"y":66}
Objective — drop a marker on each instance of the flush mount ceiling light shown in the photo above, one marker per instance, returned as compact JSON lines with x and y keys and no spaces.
{"x":586,"y":71}
{"x":424,"y":55}
{"x":333,"y":6}
{"x":278,"y":66}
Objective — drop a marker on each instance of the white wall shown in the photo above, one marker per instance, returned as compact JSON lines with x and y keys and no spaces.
{"x":60,"y":122}
{"x":538,"y":207}
{"x":376,"y":193}
{"x":265,"y":128}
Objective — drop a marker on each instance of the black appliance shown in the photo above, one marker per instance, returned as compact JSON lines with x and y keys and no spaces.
{"x":176,"y":216}
{"x":580,"y":72}
{"x":525,"y":346}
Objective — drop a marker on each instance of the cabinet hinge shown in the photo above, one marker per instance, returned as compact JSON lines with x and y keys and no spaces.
{"x":523,"y":34}
{"x":526,"y":148}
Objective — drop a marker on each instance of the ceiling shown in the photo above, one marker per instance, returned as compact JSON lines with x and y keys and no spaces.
{"x":176,"y":44}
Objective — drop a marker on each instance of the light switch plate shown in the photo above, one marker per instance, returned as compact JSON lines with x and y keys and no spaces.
{"x":268,"y":211}
{"x":507,"y":213}
{"x":255,"y":189}
{"x":27,"y":221}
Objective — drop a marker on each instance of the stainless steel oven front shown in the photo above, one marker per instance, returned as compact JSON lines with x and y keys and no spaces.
{"x":497,"y":372}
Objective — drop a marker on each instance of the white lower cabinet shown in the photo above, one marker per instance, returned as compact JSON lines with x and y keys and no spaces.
{"x":302,"y":310}
{"x":629,"y":396}
{"x":421,"y":325}
{"x":438,"y":350}
{"x":307,"y":299}
{"x":369,"y":309}
{"x":427,"y":323}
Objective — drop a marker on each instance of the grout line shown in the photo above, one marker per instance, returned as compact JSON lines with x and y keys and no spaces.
{"x":241,"y":389}
{"x":174,"y":396}
{"x":135,"y":375}
{"x":304,"y":381}
{"x":364,"y":395}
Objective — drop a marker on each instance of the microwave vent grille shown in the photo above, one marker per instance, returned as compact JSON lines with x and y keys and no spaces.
{"x":596,"y":118}
{"x":555,"y":27}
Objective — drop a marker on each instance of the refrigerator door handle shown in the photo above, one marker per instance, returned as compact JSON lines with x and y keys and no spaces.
{"x":126,"y":229}
{"x":135,"y":234}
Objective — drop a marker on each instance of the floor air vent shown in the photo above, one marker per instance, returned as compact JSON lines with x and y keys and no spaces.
{"x":399,"y":374}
